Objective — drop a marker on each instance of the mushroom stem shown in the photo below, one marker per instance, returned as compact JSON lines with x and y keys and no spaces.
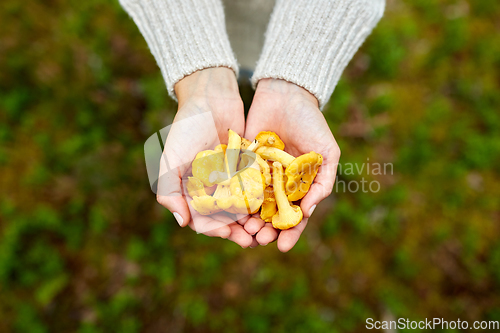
{"x":288,"y":215}
{"x":232,"y":153}
{"x":279,"y":184}
{"x":275,"y":154}
{"x":254,"y":145}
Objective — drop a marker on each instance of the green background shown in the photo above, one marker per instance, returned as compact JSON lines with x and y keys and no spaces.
{"x":84,"y":247}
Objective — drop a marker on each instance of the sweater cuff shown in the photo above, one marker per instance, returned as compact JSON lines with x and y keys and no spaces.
{"x":309,"y":43}
{"x":184,"y":36}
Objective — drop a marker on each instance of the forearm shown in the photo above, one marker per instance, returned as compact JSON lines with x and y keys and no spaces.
{"x":310,"y":42}
{"x":184,"y":36}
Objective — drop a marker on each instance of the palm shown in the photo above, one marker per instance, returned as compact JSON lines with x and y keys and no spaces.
{"x":302,"y":127}
{"x":200,"y":124}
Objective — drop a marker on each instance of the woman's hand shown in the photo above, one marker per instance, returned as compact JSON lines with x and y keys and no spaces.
{"x":209,"y":105}
{"x":292,"y":112}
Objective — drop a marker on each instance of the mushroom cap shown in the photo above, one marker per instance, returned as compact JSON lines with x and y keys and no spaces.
{"x":205,"y":205}
{"x":195,"y":187}
{"x":289,"y":219}
{"x":249,"y":183}
{"x":270,"y":139}
{"x":250,"y":159}
{"x":206,"y":162}
{"x":301,"y":173}
{"x":247,"y":193}
{"x":221,"y":148}
{"x":240,"y":205}
{"x":245,"y":143}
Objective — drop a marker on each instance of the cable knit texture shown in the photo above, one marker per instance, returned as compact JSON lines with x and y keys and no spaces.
{"x":310,"y":42}
{"x":183,"y":35}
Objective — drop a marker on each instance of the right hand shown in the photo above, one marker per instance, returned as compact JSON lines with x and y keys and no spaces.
{"x":209,"y":105}
{"x":293,"y":113}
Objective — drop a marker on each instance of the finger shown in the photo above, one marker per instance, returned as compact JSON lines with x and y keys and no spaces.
{"x":323,"y":183}
{"x":253,"y":225}
{"x":254,"y":243}
{"x":224,"y":217}
{"x":178,"y":206}
{"x":209,"y":227}
{"x":239,"y":235}
{"x":215,"y":225}
{"x":288,"y":238}
{"x":242,"y":218}
{"x":169,"y":192}
{"x":267,"y":234}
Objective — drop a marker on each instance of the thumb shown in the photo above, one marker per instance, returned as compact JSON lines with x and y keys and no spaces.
{"x":322,"y":186}
{"x":170,"y":192}
{"x":178,"y":206}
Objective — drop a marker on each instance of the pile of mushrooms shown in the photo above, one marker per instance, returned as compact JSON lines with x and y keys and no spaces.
{"x":243,"y":177}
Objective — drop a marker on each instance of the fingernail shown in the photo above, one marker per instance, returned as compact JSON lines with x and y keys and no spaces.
{"x":312,"y":210}
{"x":252,"y":247}
{"x":264,"y":244}
{"x":179,"y":218}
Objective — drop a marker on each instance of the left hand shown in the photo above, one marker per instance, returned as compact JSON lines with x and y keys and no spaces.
{"x":209,"y":105}
{"x":293,"y":113}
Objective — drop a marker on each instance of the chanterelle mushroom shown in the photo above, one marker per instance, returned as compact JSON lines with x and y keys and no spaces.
{"x":205,"y":205}
{"x":275,"y":154}
{"x":301,"y":173}
{"x":245,"y":143}
{"x":288,"y":215}
{"x":247,"y":193}
{"x":267,"y":138}
{"x":244,"y":193}
{"x":208,"y":161}
{"x":230,"y":161}
{"x":252,"y":160}
{"x":269,"y":208}
{"x":232,"y":152}
{"x":195,"y":187}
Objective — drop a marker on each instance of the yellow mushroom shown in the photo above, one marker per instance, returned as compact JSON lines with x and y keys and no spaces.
{"x":245,"y":143}
{"x":205,"y":205}
{"x":301,"y":173}
{"x":206,"y":162}
{"x":246,"y":187}
{"x":288,"y":215}
{"x":266,"y":138}
{"x":230,"y":161}
{"x":247,"y":193}
{"x":269,"y":208}
{"x":275,"y":154}
{"x":195,"y":187}
{"x":252,"y":160}
{"x":221,"y":148}
{"x":232,"y":151}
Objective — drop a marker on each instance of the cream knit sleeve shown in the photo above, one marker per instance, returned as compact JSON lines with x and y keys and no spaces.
{"x":183,"y":35}
{"x":310,"y":42}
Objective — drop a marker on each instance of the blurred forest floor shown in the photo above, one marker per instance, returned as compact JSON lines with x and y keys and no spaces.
{"x":84,"y":247}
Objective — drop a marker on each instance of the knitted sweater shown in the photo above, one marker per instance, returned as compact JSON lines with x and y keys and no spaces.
{"x":308,"y":42}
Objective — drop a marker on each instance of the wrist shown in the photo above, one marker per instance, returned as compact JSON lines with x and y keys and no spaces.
{"x":208,"y":83}
{"x":284,"y":90}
